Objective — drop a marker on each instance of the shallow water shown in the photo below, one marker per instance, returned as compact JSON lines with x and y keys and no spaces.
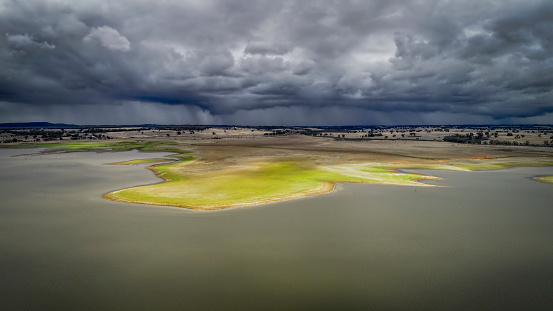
{"x":481,"y":241}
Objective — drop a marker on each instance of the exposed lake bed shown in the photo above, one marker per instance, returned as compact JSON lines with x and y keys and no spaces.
{"x":480,"y":241}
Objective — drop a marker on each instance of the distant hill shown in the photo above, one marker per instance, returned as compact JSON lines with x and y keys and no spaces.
{"x":36,"y":124}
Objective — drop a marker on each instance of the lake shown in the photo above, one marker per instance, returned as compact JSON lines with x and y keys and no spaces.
{"x":480,"y":241}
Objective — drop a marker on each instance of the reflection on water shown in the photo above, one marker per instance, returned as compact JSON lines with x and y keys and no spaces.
{"x":483,"y":241}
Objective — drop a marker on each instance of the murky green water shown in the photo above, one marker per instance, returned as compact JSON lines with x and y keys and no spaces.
{"x":482,"y":242}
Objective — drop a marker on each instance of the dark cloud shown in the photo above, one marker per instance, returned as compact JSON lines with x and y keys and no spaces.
{"x":279,"y":62}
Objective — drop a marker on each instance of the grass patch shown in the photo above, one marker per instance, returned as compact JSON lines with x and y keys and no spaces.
{"x":146,"y":146}
{"x":141,"y":161}
{"x":478,"y":165}
{"x":548,"y":179}
{"x":497,"y":166}
{"x":64,"y":146}
{"x":262,"y":182}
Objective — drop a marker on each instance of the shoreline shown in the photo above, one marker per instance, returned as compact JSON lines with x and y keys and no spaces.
{"x":548,"y":179}
{"x":325,"y":187}
{"x":249,"y":173}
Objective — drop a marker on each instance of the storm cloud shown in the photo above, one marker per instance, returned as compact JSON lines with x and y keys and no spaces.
{"x":276,"y":62}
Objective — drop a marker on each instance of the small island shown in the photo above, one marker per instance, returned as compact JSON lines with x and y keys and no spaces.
{"x":548,"y":179}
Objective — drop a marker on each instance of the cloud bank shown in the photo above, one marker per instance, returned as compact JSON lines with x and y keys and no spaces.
{"x":277,"y":62}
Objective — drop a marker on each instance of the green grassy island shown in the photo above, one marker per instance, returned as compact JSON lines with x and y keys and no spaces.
{"x":258,"y":183}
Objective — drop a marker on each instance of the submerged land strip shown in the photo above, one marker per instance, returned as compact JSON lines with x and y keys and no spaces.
{"x":248,"y":167}
{"x":548,"y":179}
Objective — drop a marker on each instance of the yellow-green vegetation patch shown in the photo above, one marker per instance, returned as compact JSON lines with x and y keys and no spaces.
{"x":377,"y":174}
{"x":548,"y":179}
{"x":146,"y":146}
{"x":262,"y":182}
{"x":484,"y":165}
{"x":69,"y":146}
{"x":141,"y":161}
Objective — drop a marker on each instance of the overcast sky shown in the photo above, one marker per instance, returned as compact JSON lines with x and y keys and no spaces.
{"x":269,"y":62}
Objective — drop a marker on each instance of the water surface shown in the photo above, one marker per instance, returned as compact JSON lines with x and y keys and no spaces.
{"x":481,"y":241}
